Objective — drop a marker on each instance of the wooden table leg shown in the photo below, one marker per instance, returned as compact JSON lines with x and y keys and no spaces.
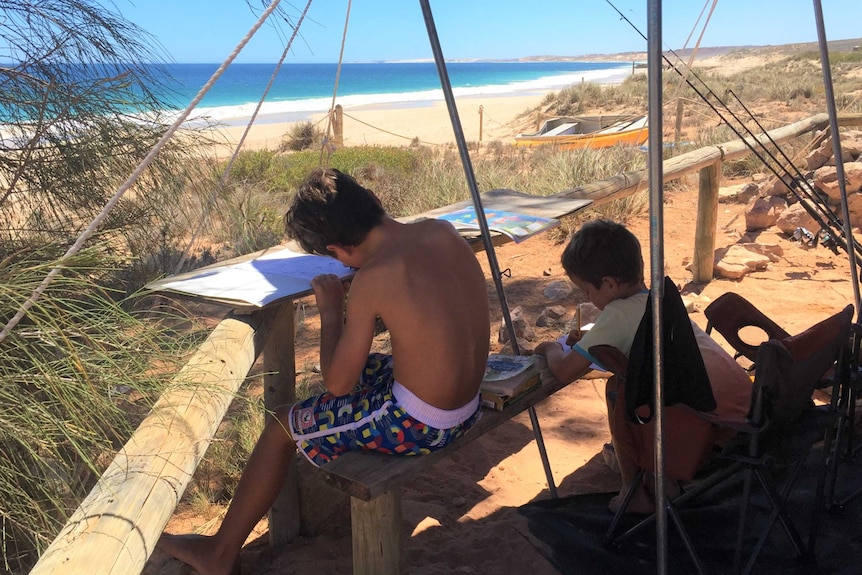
{"x":279,"y":383}
{"x":378,"y":536}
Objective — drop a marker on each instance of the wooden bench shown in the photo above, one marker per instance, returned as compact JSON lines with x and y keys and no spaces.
{"x":373,"y":482}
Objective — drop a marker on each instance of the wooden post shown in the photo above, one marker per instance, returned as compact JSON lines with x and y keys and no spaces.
{"x":279,"y":384}
{"x":378,"y":537}
{"x":481,"y":109}
{"x":707,"y":219}
{"x":338,"y":126}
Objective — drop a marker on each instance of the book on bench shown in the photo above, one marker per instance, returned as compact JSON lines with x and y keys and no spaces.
{"x":507,"y":377}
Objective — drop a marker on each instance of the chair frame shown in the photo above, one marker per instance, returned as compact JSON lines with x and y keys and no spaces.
{"x":845,"y":391}
{"x":753,"y":460}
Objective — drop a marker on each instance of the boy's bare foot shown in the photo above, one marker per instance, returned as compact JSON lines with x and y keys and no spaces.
{"x":641,"y":501}
{"x":200,"y":552}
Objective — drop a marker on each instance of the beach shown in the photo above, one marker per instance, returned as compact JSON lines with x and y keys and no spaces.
{"x":399,"y":124}
{"x":405,"y":105}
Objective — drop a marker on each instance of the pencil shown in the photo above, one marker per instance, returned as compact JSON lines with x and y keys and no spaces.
{"x":578,"y":321}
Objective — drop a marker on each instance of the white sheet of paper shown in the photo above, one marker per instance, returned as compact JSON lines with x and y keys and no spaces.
{"x":562,"y":341}
{"x":275,"y":275}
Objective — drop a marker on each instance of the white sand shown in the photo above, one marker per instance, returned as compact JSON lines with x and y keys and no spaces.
{"x":396,"y":125}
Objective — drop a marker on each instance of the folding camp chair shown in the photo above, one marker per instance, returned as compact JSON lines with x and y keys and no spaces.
{"x":741,"y":324}
{"x":745,"y":327}
{"x":782,"y":420}
{"x":686,"y":383}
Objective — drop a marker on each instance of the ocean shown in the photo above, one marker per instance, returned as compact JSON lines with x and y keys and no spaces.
{"x":301,"y":90}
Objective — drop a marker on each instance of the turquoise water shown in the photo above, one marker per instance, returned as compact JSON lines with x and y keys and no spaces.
{"x":300,"y":90}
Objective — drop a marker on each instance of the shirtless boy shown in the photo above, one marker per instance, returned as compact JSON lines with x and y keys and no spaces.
{"x":424,"y":282}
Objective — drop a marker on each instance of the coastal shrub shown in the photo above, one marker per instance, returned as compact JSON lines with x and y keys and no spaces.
{"x":836,"y":57}
{"x":587,"y":97}
{"x":249,"y":209}
{"x":301,"y":136}
{"x":75,"y":379}
{"x":251,"y":219}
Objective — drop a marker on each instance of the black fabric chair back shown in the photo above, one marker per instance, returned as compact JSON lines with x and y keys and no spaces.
{"x":685,"y":378}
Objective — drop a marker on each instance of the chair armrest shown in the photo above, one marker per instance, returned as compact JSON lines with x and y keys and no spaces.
{"x":740,"y":424}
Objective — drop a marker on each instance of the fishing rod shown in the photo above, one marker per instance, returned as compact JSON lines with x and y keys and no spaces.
{"x":800,"y":177}
{"x":745,"y":139}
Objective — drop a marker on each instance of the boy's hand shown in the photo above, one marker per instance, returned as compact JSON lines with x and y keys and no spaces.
{"x":329,"y":292}
{"x":574,"y":337}
{"x":542,"y":348}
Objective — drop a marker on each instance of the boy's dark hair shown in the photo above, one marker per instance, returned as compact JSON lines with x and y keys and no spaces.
{"x":331,"y":208}
{"x":602,"y":248}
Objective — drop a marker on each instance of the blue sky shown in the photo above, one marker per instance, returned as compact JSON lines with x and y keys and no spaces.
{"x":208,"y":30}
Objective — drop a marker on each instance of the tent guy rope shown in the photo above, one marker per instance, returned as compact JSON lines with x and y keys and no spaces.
{"x":227,"y":171}
{"x":324,"y":147}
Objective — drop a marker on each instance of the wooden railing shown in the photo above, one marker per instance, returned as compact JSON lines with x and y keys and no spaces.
{"x":115,"y":528}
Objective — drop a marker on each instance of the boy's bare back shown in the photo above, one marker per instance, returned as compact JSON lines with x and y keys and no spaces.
{"x":426,"y":285}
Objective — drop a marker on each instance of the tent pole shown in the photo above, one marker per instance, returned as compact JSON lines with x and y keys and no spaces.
{"x":480,"y":217}
{"x":654,"y":75}
{"x":836,"y":150}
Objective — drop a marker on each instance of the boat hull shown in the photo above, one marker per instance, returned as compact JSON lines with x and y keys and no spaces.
{"x":627,"y":138}
{"x":572,"y":133}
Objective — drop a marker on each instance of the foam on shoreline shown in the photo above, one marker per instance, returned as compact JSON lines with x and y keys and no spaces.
{"x":286,"y":111}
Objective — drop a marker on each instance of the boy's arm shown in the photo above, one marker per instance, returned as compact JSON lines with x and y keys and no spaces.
{"x":566,"y":366}
{"x":344,"y":341}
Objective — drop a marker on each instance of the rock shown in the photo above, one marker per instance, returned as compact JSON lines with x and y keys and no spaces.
{"x":459,"y":501}
{"x":698,"y":301}
{"x":739,"y":193}
{"x":558,"y":290}
{"x":854,"y":206}
{"x":588,"y":312}
{"x":554,"y":311}
{"x":851,"y":142}
{"x":524,"y":347}
{"x":796,"y":216}
{"x":688,"y":302}
{"x":817,"y":158}
{"x":826,"y":179}
{"x":779,"y":187}
{"x":771,"y":251}
{"x":762,"y":213}
{"x":846,"y":156}
{"x":551,"y":315}
{"x":740,"y":259}
{"x":521,"y":325}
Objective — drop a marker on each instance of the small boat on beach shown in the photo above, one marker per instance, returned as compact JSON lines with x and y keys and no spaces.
{"x":571,"y":133}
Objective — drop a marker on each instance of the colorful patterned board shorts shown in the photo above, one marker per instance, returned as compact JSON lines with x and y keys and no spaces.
{"x":369,"y":419}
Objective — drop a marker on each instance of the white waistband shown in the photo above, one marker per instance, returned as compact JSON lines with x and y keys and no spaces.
{"x":430,"y":415}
